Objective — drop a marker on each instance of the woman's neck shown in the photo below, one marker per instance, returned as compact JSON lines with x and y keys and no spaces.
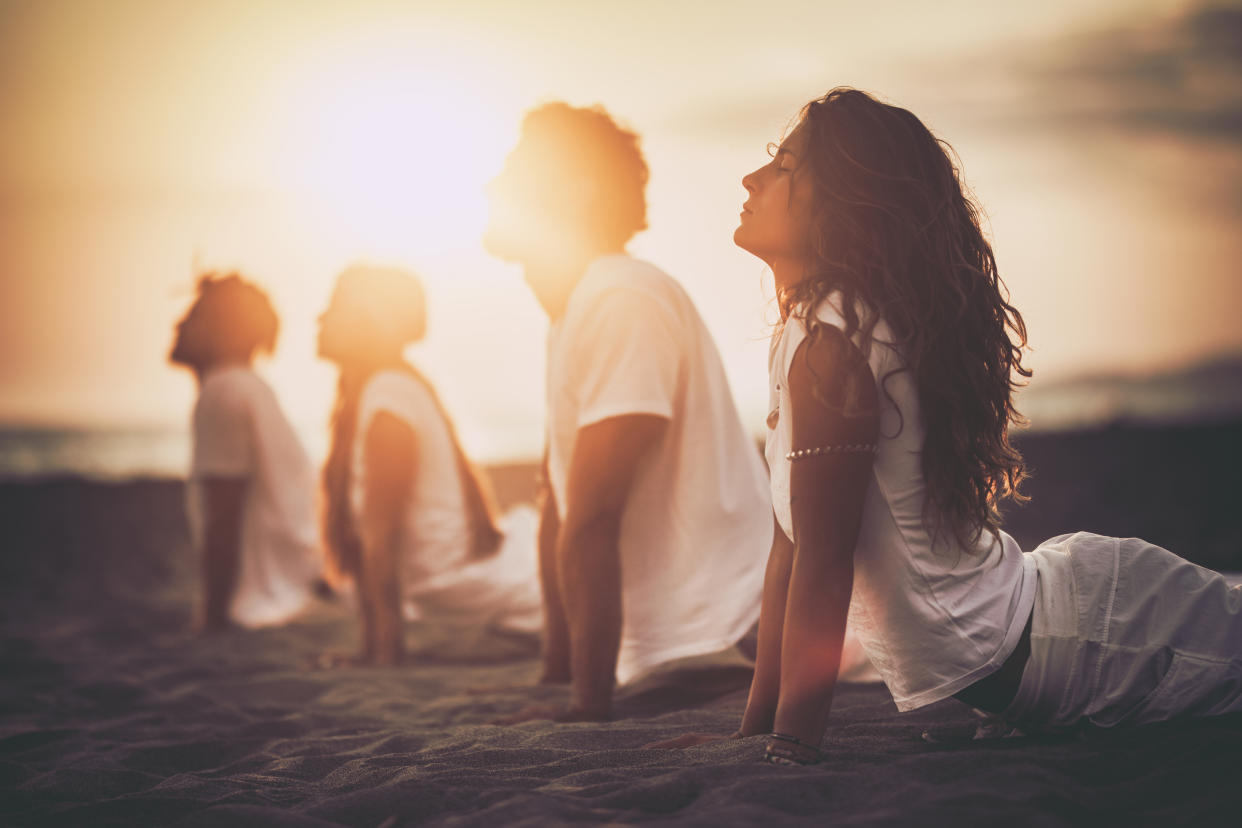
{"x":787,"y":274}
{"x":372,"y":365}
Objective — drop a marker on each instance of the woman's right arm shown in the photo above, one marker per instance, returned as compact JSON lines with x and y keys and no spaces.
{"x":766,"y":684}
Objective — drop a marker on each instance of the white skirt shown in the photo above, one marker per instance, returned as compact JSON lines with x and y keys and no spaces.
{"x":500,"y":591}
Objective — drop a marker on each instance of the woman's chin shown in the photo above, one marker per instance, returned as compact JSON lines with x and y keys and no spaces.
{"x":739,"y":239}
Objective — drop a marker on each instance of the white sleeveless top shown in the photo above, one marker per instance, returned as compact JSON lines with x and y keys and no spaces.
{"x":438,"y":578}
{"x":933,"y":618}
{"x":436,"y":533}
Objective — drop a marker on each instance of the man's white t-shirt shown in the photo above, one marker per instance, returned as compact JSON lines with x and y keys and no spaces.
{"x":697,"y":525}
{"x":241,"y":432}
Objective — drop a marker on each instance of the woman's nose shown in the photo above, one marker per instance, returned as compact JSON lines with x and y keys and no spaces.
{"x":748,"y":181}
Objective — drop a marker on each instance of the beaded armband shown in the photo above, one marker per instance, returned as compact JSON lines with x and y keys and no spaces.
{"x":846,"y":448}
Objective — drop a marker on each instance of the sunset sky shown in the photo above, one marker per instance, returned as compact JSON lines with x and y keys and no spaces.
{"x":143,"y":141}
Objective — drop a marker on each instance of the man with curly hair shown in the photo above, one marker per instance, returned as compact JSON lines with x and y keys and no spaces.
{"x":250,"y":497}
{"x":655,"y":521}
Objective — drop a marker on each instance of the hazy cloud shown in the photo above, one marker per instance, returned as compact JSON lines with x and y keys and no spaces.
{"x":1179,"y":74}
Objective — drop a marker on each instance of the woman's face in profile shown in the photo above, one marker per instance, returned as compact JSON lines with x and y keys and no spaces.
{"x":776,"y":216}
{"x":336,"y":329}
{"x":368,"y":320}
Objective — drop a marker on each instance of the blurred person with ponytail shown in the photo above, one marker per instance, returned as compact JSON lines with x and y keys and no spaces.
{"x":408,"y":519}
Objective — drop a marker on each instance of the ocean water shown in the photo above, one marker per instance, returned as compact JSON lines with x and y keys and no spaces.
{"x":1207,"y":393}
{"x":104,"y":453}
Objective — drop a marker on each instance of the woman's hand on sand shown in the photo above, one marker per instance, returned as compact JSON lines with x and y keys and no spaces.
{"x":688,"y":740}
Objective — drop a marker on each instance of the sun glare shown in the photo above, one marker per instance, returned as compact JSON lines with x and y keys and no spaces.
{"x":390,"y":152}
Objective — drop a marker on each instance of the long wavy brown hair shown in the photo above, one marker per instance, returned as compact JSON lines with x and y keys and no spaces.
{"x":896,"y":233}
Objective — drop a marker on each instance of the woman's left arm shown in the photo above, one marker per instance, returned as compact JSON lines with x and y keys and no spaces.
{"x":388,"y":487}
{"x":835,"y":409}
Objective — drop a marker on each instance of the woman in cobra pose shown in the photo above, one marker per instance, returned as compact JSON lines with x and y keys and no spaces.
{"x":892,"y":377}
{"x":408,"y":518}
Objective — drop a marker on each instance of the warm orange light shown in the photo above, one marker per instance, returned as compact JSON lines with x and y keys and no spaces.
{"x":393,"y":151}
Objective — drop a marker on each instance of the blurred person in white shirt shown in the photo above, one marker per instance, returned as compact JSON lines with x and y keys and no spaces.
{"x":250,"y":496}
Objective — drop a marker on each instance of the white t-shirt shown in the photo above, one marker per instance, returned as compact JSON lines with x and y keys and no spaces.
{"x":933,"y":618}
{"x":438,"y":578}
{"x":697,"y":525}
{"x":241,"y":432}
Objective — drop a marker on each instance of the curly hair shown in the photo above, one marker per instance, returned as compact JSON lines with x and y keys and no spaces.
{"x":586,"y":142}
{"x":895,"y":233}
{"x":246,"y":319}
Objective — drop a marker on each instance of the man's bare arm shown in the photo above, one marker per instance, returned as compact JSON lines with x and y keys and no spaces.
{"x":555,"y":624}
{"x":606,"y":457}
{"x":225,"y":499}
{"x":588,"y":561}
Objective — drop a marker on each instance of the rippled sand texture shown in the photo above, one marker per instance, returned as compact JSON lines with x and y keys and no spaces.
{"x":111,"y":713}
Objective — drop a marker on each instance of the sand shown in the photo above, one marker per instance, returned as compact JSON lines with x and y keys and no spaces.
{"x":112,"y":713}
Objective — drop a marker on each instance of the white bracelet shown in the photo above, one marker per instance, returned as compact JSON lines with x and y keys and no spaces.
{"x":849,"y":448}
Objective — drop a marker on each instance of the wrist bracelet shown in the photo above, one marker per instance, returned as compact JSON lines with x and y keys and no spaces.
{"x":776,"y":755}
{"x":785,"y":737}
{"x":780,"y":755}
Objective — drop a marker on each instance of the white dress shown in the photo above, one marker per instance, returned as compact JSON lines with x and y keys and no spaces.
{"x":239,"y":431}
{"x":438,"y":579}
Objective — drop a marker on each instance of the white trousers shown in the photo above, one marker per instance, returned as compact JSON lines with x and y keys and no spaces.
{"x":1124,"y":633}
{"x":500,"y":591}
